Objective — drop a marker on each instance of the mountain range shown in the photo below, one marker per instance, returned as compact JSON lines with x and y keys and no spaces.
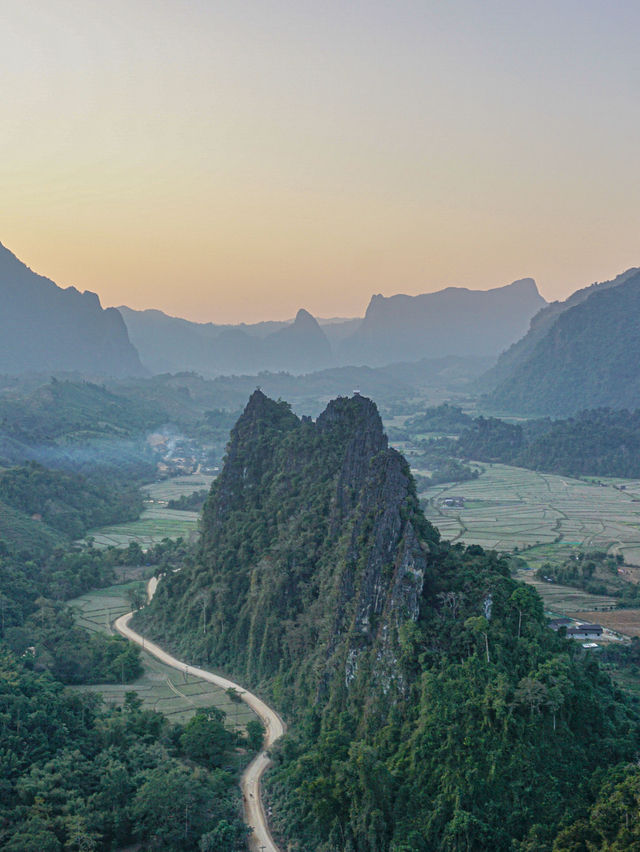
{"x":44,"y":328}
{"x":47,"y":329}
{"x":452,"y":322}
{"x":170,"y":344}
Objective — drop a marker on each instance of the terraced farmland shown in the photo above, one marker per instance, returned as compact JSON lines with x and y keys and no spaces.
{"x":509,"y":507}
{"x":177,"y":695}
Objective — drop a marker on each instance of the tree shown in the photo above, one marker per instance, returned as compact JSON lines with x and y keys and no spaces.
{"x":205,"y":738}
{"x":255,"y":734}
{"x":479,"y":624}
{"x":527,"y":602}
{"x":531,"y":693}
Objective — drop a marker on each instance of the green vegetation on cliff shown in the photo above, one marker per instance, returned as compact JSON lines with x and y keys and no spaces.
{"x":430,"y":706}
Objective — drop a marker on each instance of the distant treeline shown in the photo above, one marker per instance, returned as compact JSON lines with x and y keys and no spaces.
{"x":598,"y":442}
{"x":189,"y":502}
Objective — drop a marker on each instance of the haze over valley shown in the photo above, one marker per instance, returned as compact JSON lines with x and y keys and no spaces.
{"x":319,"y":427}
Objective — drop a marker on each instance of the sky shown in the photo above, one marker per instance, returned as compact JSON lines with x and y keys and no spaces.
{"x":234,"y":161}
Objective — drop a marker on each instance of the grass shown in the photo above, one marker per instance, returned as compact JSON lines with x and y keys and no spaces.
{"x":545,"y":515}
{"x":157,"y":521}
{"x":162,"y":688}
{"x":565,"y":600}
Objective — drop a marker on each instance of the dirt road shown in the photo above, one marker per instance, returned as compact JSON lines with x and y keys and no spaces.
{"x":260,"y":840}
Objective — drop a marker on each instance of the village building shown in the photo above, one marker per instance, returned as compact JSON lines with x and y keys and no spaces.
{"x":585,"y":631}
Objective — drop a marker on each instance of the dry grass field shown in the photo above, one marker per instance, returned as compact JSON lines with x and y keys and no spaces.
{"x":625,"y":621}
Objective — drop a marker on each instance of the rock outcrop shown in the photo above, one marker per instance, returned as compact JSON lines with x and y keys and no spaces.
{"x":314,"y":550}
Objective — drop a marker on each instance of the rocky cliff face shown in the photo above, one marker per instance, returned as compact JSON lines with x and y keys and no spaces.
{"x":404,"y":664}
{"x":314,"y":551}
{"x":44,"y":328}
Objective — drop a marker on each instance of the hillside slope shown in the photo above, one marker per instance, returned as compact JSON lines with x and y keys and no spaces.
{"x":518,"y":353}
{"x":587,"y":358}
{"x":430,"y":706}
{"x":44,"y":328}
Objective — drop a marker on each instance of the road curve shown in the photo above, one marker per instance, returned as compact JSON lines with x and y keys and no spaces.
{"x":260,"y":840}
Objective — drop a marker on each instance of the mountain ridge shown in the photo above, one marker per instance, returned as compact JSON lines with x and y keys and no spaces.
{"x":43,"y":326}
{"x":581,"y":353}
{"x":453,"y":321}
{"x":450,"y":322}
{"x":540,"y":324}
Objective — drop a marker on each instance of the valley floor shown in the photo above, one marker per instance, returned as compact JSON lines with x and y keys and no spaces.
{"x":543,"y":514}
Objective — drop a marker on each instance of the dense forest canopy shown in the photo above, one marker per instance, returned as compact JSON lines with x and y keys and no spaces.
{"x":431,"y":706}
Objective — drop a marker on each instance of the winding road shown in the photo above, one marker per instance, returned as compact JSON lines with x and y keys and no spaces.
{"x":260,"y":839}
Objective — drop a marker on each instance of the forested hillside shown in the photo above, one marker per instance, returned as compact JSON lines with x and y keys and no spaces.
{"x":76,"y":776}
{"x":69,"y":503}
{"x":518,"y":353}
{"x":431,"y":707}
{"x":79,"y":426}
{"x":588,"y":357}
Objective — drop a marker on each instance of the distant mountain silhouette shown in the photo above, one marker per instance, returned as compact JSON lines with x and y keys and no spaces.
{"x":581,"y":353}
{"x":171,"y":344}
{"x":453,"y":321}
{"x":44,"y":328}
{"x":302,"y":343}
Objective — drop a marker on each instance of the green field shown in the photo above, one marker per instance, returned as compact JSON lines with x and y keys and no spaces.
{"x":171,"y":489}
{"x":161,"y":687}
{"x":544,"y":514}
{"x":157,"y":521}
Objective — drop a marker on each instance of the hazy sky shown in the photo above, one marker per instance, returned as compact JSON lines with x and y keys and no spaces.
{"x":237,"y":160}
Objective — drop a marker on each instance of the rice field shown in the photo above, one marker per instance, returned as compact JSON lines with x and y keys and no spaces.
{"x":565,"y":600}
{"x":157,"y":521}
{"x":172,"y":489}
{"x":545,"y":515}
{"x":174,"y":694}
